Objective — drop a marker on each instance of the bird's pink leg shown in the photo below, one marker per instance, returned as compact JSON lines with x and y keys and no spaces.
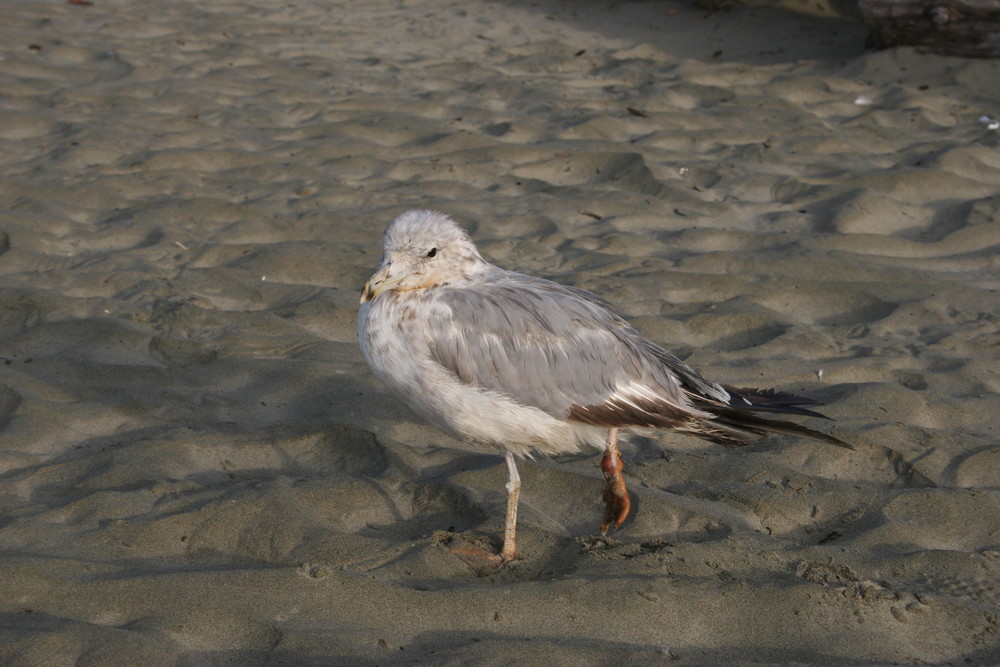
{"x":616,"y":501}
{"x":509,"y":550}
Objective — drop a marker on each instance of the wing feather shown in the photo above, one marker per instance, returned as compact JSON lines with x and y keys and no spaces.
{"x":564,"y":351}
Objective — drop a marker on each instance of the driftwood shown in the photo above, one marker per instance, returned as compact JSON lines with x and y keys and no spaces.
{"x":969,"y":28}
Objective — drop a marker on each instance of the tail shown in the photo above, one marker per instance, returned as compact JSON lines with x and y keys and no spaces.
{"x":736,"y":424}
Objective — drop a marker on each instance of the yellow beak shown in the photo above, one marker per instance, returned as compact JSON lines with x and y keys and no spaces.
{"x":382,"y":281}
{"x":377,"y":284}
{"x":367,"y":294}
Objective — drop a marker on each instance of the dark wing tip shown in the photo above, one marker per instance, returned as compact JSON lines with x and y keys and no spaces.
{"x":771,"y":400}
{"x":739,"y":415}
{"x":759,"y":426}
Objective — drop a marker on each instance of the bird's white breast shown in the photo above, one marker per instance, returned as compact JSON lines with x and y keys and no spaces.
{"x":399,"y":350}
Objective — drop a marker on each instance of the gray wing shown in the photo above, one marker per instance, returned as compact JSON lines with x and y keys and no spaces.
{"x":564,"y":351}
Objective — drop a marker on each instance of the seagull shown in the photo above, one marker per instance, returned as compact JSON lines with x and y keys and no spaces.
{"x":511,"y":363}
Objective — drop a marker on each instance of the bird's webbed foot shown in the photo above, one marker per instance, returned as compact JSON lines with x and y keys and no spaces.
{"x":616,"y":500}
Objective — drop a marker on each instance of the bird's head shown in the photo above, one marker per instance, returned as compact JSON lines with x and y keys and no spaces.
{"x":423,"y":249}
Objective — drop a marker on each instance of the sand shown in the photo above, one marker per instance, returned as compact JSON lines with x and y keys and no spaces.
{"x":197,"y":467}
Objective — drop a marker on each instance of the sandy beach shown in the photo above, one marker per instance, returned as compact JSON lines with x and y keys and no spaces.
{"x":198,"y":468}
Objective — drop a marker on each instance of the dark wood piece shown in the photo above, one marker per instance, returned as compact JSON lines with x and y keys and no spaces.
{"x":969,"y":28}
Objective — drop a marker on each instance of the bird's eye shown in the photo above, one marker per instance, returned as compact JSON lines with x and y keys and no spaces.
{"x":432,"y":252}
